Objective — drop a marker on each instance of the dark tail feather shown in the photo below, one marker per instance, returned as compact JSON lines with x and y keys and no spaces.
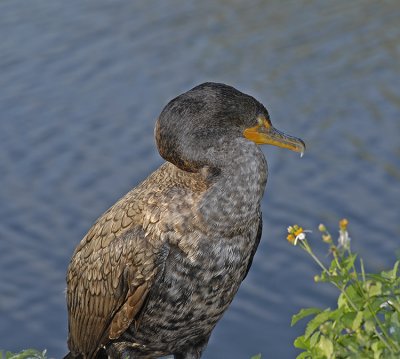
{"x":101,"y":354}
{"x":71,"y":356}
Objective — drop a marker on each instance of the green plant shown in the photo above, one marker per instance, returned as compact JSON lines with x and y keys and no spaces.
{"x":25,"y":354}
{"x":366,"y":321}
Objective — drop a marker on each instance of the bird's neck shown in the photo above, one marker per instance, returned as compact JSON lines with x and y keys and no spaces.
{"x":232,"y":201}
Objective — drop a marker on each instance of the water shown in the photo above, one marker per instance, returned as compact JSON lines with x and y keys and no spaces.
{"x":81,"y":85}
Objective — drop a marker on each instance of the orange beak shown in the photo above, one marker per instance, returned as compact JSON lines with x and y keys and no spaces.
{"x":265,"y":134}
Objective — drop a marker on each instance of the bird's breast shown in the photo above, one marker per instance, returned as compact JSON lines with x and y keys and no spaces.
{"x":196,"y":288}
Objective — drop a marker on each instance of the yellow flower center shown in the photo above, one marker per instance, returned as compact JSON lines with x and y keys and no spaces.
{"x":298,"y":231}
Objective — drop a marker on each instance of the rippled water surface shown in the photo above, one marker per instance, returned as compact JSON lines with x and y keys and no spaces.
{"x":81,"y":83}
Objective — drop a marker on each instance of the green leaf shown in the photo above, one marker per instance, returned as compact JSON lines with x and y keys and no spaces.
{"x":374,"y":288}
{"x":357,"y":321}
{"x":314,"y":339}
{"x":369,"y":326}
{"x":377,"y":348}
{"x":395,"y":269}
{"x":355,"y":296}
{"x":258,"y":356}
{"x":326,"y":346}
{"x":349,"y":261}
{"x":342,"y":302}
{"x":26,"y":354}
{"x":320,"y":318}
{"x":303,"y":355}
{"x":347,"y":319}
{"x":302,"y":343}
{"x":391,"y":274}
{"x":396,"y":306}
{"x":304,"y":313}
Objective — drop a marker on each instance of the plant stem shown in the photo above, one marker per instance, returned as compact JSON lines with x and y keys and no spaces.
{"x":308,"y":249}
{"x":383,"y":340}
{"x":382,"y":328}
{"x":362,"y":269}
{"x":311,"y":253}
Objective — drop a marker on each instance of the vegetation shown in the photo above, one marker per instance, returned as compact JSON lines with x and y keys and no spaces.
{"x":25,"y":354}
{"x":366,"y":321}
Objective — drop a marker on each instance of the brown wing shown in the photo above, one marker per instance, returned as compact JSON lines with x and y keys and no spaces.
{"x":108,"y":279}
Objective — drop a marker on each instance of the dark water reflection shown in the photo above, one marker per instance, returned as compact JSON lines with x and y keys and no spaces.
{"x":81,"y":84}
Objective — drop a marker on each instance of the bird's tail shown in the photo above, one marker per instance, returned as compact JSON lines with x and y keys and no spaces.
{"x":71,"y":356}
{"x":101,"y":354}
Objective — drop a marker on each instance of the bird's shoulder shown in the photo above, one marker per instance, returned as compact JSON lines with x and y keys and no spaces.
{"x":168,"y":189}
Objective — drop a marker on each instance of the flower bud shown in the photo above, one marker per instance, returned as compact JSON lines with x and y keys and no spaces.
{"x":322,"y":228}
{"x":327,"y":238}
{"x":291,"y":238}
{"x":343,"y":224}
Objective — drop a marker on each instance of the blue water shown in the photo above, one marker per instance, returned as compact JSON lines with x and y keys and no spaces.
{"x":81,"y":84}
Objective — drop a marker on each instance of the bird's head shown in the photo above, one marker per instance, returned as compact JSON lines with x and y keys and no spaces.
{"x":199,"y":119}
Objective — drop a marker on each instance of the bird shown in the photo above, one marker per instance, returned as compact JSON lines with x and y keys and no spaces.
{"x":156,"y":272}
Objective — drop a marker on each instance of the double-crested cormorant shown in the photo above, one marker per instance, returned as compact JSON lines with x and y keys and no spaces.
{"x":156,"y":272}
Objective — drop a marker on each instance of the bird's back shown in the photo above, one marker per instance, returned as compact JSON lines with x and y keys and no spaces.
{"x":150,"y":272}
{"x":116,"y":263}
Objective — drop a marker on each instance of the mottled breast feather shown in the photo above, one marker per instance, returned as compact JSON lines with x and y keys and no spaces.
{"x":116,"y":263}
